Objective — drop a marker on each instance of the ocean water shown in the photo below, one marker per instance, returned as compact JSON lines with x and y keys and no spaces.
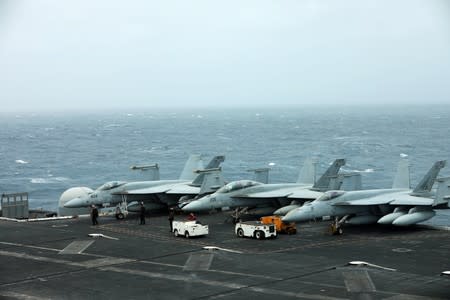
{"x":44,"y":154}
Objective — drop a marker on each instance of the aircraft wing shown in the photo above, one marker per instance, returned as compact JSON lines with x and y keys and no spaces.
{"x":391,"y":199}
{"x":280,"y":193}
{"x":305,"y":194}
{"x":146,"y":191}
{"x":412,"y":200}
{"x":184,"y":189}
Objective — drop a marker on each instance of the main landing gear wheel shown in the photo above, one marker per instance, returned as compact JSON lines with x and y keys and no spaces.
{"x":336,"y":230}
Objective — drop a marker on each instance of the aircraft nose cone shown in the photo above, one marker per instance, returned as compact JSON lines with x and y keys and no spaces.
{"x":193,"y":206}
{"x":190,"y":206}
{"x":74,"y":203}
{"x":289,"y":217}
{"x":295,"y":215}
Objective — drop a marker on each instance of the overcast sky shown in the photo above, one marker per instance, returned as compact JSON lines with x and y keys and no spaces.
{"x":90,"y":54}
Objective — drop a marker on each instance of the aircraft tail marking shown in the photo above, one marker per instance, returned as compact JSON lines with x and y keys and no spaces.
{"x":323,"y":184}
{"x":443,"y":193}
{"x":425,"y":185}
{"x":213,"y":164}
{"x":212,"y":181}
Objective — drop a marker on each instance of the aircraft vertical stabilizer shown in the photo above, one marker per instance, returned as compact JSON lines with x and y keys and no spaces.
{"x":324,"y":181}
{"x":402,"y":178}
{"x":348,"y":182}
{"x":260,"y":174}
{"x":193,"y":163}
{"x":212,"y":181}
{"x":442,"y":192}
{"x":425,"y":185}
{"x":307,"y":173}
{"x":213,"y":164}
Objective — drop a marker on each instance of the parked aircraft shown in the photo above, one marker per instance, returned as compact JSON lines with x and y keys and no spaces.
{"x":299,"y":197}
{"x":155,"y":194}
{"x":396,"y":206}
{"x":265,"y":198}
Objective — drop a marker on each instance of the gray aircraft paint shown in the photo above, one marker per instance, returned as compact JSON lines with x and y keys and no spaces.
{"x":400,"y":207}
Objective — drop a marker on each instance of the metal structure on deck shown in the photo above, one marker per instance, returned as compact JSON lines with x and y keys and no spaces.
{"x":15,"y":205}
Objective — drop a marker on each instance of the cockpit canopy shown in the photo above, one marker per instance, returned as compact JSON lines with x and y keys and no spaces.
{"x":110,"y":185}
{"x":237,"y":185}
{"x":330,"y":195}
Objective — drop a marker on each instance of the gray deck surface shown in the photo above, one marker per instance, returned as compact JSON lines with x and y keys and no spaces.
{"x":58,"y":260}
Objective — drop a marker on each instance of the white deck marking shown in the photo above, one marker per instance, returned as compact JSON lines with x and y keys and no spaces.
{"x":215,"y":271}
{"x":210,"y":248}
{"x":96,"y":235}
{"x":76,"y":247}
{"x":20,"y":296}
{"x":358,"y":281}
{"x":105,"y":261}
{"x":198,"y":262}
{"x":37,"y":258}
{"x":30,"y":246}
{"x":230,"y":285}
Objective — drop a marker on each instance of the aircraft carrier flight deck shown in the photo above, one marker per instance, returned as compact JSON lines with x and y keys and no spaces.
{"x":71,"y":259}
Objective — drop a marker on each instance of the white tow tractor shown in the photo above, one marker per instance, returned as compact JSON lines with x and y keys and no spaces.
{"x":189,"y":228}
{"x":255,"y":229}
{"x":120,"y":211}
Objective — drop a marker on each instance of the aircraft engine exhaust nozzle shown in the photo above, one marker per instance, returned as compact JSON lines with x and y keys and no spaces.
{"x":413,"y":218}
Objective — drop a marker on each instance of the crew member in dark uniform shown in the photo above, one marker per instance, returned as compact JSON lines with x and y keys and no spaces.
{"x":94,"y":215}
{"x":142,"y":214}
{"x":170,"y":218}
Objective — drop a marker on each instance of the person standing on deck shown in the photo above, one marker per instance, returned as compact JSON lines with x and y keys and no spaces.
{"x":142,"y":214}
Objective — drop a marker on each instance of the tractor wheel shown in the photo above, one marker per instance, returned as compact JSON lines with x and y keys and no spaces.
{"x":259,"y":235}
{"x":240,"y":233}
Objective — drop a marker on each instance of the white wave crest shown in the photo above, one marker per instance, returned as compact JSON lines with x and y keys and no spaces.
{"x":40,"y":180}
{"x":403,"y":155}
{"x":112,"y":125}
{"x":19,"y":161}
{"x":48,"y":180}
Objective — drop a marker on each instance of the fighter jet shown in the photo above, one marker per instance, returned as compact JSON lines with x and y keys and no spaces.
{"x":300,"y":196}
{"x":396,"y":206}
{"x":157,"y":194}
{"x":265,"y":198}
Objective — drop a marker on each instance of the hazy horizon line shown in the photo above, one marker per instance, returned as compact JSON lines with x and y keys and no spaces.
{"x":134,"y":109}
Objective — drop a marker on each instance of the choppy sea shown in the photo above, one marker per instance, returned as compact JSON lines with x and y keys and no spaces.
{"x":45,"y":154}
